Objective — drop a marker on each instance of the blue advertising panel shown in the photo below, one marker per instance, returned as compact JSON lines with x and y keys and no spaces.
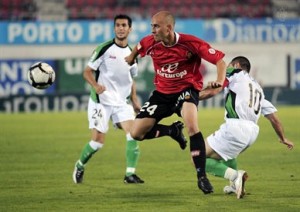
{"x":93,"y":32}
{"x":46,"y":33}
{"x":252,"y":30}
{"x":13,"y":78}
{"x":78,"y":32}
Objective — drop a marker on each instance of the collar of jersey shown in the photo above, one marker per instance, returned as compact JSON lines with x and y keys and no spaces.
{"x":119,"y":45}
{"x":176,"y":38}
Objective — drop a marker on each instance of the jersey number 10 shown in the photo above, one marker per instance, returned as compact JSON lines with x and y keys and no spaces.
{"x":255,"y":98}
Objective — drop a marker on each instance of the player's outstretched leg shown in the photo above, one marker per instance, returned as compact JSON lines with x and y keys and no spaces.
{"x":174,"y":131}
{"x":177,"y":134}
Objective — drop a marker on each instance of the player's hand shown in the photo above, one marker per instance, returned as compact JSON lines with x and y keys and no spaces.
{"x":99,"y":88}
{"x":136,"y":105}
{"x":214,"y":84}
{"x":129,"y":60}
{"x":290,"y":145}
{"x":137,"y":108}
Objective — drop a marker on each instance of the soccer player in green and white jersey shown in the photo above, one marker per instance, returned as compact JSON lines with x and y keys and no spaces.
{"x":111,"y":80}
{"x":244,"y":103}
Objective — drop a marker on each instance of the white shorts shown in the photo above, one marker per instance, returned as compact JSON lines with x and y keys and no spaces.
{"x":233,"y":137}
{"x":99,"y":115}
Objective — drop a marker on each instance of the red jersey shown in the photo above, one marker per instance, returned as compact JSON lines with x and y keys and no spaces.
{"x":178,"y":67}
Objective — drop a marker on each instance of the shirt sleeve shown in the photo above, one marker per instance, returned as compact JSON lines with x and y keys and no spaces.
{"x":226,"y":83}
{"x":207,"y":52}
{"x":134,"y":70}
{"x":97,"y":58}
{"x":267,"y":108}
{"x":95,"y":64}
{"x":144,"y":45}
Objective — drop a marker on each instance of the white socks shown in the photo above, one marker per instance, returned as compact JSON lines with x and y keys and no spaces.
{"x":230,"y":174}
{"x":95,"y":145}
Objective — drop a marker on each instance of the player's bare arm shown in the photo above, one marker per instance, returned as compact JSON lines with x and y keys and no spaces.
{"x":130,"y":59}
{"x":277,"y":126}
{"x":221,"y":74}
{"x":209,"y":92}
{"x":88,"y":75}
{"x":134,"y":99}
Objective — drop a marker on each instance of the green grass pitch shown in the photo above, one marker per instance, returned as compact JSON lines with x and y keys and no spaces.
{"x":38,"y":152}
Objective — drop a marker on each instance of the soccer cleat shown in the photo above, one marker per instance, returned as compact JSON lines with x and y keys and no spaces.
{"x":133,"y":179}
{"x":78,"y":174}
{"x":177,"y":134}
{"x":229,"y":189}
{"x":239,"y":183}
{"x":204,"y":185}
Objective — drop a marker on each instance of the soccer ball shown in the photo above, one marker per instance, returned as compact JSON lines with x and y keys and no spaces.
{"x":41,"y":75}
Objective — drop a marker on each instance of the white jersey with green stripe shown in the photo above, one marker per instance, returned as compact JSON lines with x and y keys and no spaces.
{"x":112,"y":71}
{"x":244,"y":97}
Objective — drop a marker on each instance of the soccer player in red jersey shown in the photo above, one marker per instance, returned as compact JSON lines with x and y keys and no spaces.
{"x":176,"y":59}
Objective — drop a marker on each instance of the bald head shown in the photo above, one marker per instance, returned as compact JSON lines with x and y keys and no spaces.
{"x":162,"y":25}
{"x":166,"y":17}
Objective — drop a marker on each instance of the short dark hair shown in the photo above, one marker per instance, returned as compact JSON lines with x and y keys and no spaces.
{"x":122,"y":16}
{"x":243,"y":61}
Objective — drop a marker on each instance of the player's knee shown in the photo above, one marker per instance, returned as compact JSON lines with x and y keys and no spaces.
{"x":136,"y":136}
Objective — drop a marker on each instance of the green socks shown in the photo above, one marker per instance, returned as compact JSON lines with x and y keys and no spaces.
{"x":219,"y":167}
{"x":132,"y":155}
{"x":215,"y":167}
{"x":87,"y":152}
{"x":231,"y":163}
